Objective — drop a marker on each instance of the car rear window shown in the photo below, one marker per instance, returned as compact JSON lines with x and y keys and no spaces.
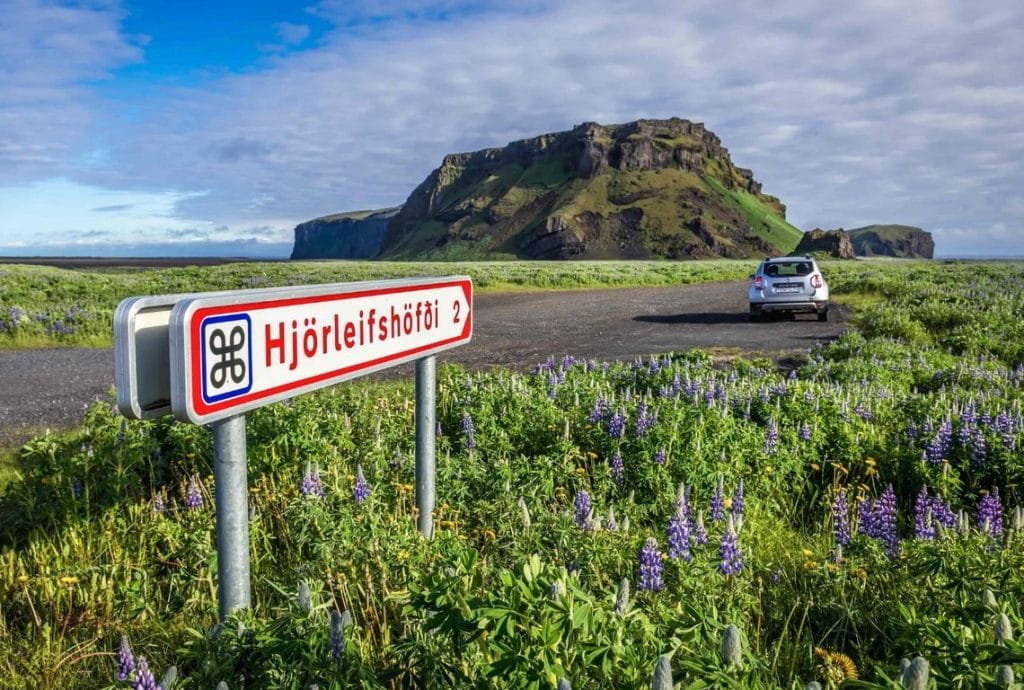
{"x":788,"y":268}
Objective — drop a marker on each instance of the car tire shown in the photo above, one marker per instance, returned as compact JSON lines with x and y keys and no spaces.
{"x":823,"y":315}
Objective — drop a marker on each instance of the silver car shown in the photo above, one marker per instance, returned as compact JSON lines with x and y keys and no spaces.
{"x":788,"y":285}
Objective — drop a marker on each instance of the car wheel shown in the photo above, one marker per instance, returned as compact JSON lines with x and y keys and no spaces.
{"x":823,"y":315}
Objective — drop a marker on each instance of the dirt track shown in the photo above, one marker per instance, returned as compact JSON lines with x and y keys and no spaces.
{"x":50,"y":388}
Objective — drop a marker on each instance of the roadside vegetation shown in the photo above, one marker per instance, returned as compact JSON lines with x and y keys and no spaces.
{"x":42,"y":306}
{"x":762,"y":528}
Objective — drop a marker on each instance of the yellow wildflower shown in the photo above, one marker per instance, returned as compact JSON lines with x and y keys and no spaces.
{"x":807,"y":553}
{"x":835,"y":667}
{"x":23,"y":579}
{"x":69,"y":580}
{"x":815,"y":466}
{"x":810,"y":565}
{"x":870,"y":461}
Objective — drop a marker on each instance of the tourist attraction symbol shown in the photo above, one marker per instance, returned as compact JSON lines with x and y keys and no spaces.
{"x":210,"y":357}
{"x":234,"y":352}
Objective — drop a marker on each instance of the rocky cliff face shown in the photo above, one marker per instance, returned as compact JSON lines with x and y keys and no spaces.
{"x":650,"y":188}
{"x":834,"y":243}
{"x":903,"y":241}
{"x":358,"y":235}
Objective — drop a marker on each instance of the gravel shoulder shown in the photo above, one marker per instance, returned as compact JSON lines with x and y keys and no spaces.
{"x":50,"y":389}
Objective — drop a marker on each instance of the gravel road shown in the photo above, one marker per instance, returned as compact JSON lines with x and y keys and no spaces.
{"x":42,"y":389}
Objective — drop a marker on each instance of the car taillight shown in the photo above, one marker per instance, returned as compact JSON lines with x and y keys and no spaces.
{"x":816,"y":281}
{"x":759,"y":283}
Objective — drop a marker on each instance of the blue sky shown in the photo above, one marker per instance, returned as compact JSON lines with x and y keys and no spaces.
{"x":215,"y":127}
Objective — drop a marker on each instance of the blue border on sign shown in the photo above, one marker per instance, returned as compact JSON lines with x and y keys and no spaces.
{"x":248,"y":336}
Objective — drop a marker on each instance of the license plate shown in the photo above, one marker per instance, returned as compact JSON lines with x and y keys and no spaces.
{"x":788,"y":287}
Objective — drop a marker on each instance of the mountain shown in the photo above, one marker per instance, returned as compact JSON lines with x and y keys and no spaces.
{"x":833,"y":243}
{"x":646,"y":189}
{"x":354,"y":235}
{"x":903,"y":241}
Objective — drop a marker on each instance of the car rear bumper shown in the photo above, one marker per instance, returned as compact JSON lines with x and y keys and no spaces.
{"x":810,"y":307}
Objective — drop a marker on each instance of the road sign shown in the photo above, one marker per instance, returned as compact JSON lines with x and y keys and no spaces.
{"x":233,"y":352}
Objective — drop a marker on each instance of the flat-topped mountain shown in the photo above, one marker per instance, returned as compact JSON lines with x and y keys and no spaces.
{"x":354,"y":235}
{"x":904,"y":241}
{"x":646,"y":189}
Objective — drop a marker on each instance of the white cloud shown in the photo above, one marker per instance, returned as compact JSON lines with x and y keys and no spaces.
{"x":852,"y":114}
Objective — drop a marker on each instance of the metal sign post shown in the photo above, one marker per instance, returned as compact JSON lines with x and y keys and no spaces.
{"x":426,"y":416}
{"x":210,"y":357}
{"x":232,"y":496}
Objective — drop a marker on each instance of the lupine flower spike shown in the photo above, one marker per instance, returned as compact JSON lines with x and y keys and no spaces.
{"x":732,"y":650}
{"x":916,"y":674}
{"x":718,"y":502}
{"x":125,"y":660}
{"x":311,"y":486}
{"x":144,"y":679}
{"x":361,"y":489}
{"x":526,"y":513}
{"x":732,"y":558}
{"x":468,"y":431}
{"x":679,"y":534}
{"x":841,"y":519}
{"x":337,"y":634}
{"x":193,"y":494}
{"x":650,"y":566}
{"x":583,"y":509}
{"x":662,"y":674}
{"x":737,"y":500}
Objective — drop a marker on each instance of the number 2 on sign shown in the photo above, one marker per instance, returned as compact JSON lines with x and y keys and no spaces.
{"x":458,"y":307}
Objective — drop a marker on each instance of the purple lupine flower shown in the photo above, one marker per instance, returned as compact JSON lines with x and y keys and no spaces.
{"x":583,"y":508}
{"x":311,"y":486}
{"x":679,"y":534}
{"x":698,"y":533}
{"x":361,"y":489}
{"x":841,"y":519}
{"x":125,"y":659}
{"x":610,"y":523}
{"x":887,"y":527}
{"x":76,"y":487}
{"x":990,"y":514}
{"x":467,"y":431}
{"x":617,"y":470}
{"x":805,"y":432}
{"x":337,"y":634}
{"x":650,"y":567}
{"x":194,"y":494}
{"x":771,"y":437}
{"x":737,"y":500}
{"x":718,"y":501}
{"x":867,"y":522}
{"x":616,"y":424}
{"x":964,"y":434}
{"x":659,"y":457}
{"x":643,"y":422}
{"x":144,"y":679}
{"x":729,"y":552}
{"x":599,"y":410}
{"x":863,"y":412}
{"x":979,"y":451}
{"x":159,"y":502}
{"x":942,"y":513}
{"x":923,"y":516}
